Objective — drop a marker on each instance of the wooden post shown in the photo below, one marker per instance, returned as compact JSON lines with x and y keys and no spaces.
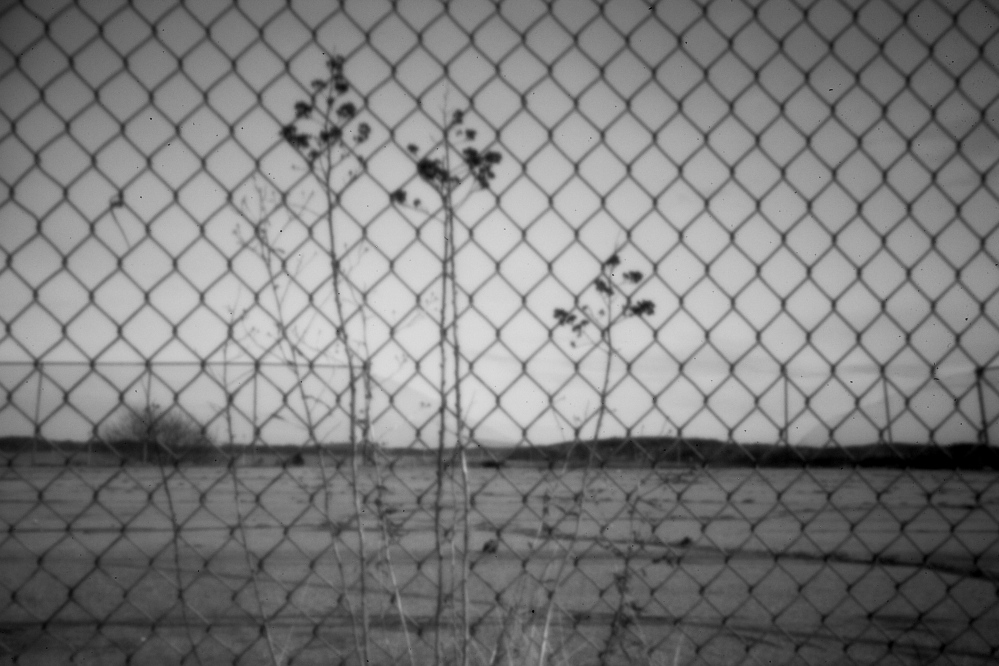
{"x":983,"y":432}
{"x":39,"y":368}
{"x":784,"y":435}
{"x":884,"y":387}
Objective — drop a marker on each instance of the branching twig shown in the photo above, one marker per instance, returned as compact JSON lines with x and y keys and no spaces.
{"x":289,"y":346}
{"x":581,"y":317}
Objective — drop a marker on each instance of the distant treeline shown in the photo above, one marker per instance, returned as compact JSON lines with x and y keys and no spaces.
{"x":204,"y":452}
{"x":98,"y":452}
{"x":612,"y":452}
{"x":697,"y":452}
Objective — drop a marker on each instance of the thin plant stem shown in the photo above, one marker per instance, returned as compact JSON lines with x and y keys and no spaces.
{"x":341,"y":334}
{"x":386,"y":534}
{"x":176,"y":562}
{"x":240,"y":530}
{"x":256,"y":425}
{"x":567,"y":554}
{"x":442,"y":415}
{"x":225,"y":378}
{"x":451,"y":268}
{"x":605,"y":337}
{"x":396,"y":592}
{"x":150,"y":416}
{"x":251,"y":567}
{"x":294,"y":357}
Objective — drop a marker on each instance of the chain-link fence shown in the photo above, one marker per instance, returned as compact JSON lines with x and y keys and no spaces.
{"x":499,"y":332}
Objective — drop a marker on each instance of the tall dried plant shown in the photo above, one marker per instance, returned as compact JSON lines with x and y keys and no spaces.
{"x":454,"y":170}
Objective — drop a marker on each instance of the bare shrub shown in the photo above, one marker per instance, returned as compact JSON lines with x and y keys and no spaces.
{"x":154,"y":434}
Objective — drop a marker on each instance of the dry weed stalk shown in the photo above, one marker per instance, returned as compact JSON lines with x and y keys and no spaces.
{"x":154,"y":421}
{"x":446,"y":168}
{"x":615,"y":302}
{"x":239,"y":530}
{"x":331,"y":139}
{"x":293,"y":350}
{"x":515,"y":632}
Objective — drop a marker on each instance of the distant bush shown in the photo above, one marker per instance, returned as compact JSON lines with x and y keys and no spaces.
{"x":154,"y":434}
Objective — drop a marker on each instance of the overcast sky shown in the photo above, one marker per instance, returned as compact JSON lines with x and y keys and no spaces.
{"x":800,"y":190}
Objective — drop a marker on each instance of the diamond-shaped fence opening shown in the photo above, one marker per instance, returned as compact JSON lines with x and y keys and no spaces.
{"x":499,"y":332}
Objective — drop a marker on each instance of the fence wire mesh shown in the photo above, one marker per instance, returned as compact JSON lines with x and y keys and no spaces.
{"x":499,"y":332}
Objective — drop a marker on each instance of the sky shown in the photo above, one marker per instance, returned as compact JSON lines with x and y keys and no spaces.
{"x":808,"y":189}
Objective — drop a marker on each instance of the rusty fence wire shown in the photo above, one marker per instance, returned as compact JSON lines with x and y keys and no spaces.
{"x":500,"y":332}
